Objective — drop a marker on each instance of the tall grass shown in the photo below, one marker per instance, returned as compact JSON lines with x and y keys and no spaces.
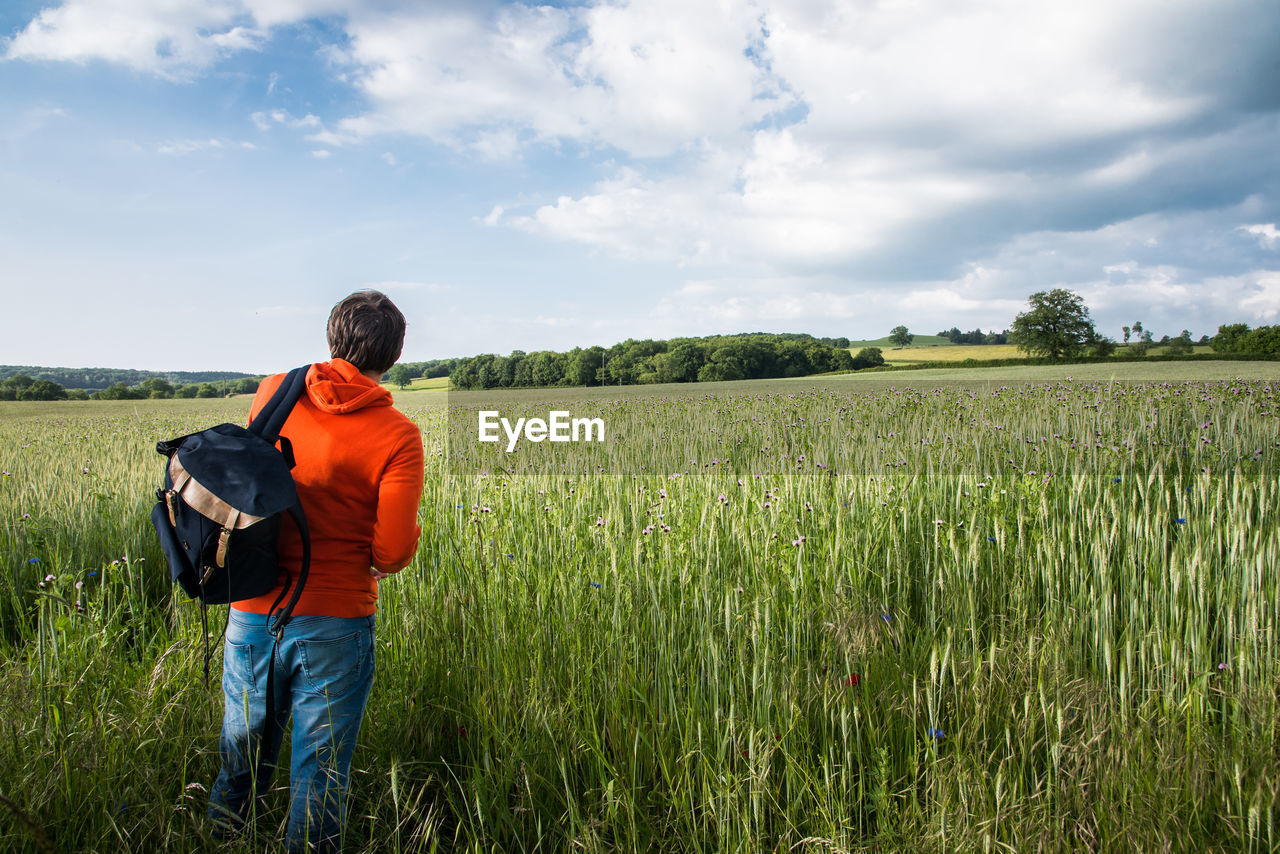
{"x":953,"y":654}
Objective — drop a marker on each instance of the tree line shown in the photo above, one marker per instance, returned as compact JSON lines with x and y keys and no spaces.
{"x":1239,"y":338}
{"x":716,"y":358}
{"x":25,"y":387}
{"x":97,"y":379}
{"x":974,"y":336}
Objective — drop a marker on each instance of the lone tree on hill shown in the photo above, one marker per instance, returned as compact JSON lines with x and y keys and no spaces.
{"x":401,"y":375}
{"x":900,"y":336}
{"x":1057,"y":326}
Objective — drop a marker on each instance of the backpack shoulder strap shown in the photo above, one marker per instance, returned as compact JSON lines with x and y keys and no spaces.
{"x":278,"y":619}
{"x":270,"y":419}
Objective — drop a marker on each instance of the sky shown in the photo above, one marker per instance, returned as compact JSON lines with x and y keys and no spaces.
{"x":193,"y":185}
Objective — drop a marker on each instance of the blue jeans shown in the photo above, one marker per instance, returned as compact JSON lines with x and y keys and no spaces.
{"x":324,"y":670}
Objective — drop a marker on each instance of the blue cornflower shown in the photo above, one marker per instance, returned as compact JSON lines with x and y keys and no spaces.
{"x":34,"y":560}
{"x":991,"y":539}
{"x":887,"y":617}
{"x":1180,"y":521}
{"x":92,"y":574}
{"x":595,"y":584}
{"x":1116,"y":480}
{"x":935,"y":733}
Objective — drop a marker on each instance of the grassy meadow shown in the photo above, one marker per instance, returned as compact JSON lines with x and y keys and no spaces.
{"x":1003,"y":612}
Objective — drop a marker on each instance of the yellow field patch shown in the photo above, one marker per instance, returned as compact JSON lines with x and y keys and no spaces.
{"x":952,"y":353}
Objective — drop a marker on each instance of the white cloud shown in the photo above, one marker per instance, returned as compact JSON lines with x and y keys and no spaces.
{"x":787,"y":204}
{"x":1262,"y":297}
{"x":321,"y":154}
{"x":181,"y":147}
{"x":1267,"y":233}
{"x":31,"y":121}
{"x":169,"y":39}
{"x":264,"y":120}
{"x":647,"y":78}
{"x":716,"y":305}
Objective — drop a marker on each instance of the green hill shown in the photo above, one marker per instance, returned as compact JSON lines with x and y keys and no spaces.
{"x":918,"y":341}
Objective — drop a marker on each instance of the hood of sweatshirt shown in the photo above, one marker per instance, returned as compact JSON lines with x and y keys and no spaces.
{"x":338,"y":387}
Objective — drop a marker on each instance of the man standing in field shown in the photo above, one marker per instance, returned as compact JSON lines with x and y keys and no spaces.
{"x":359,"y":477}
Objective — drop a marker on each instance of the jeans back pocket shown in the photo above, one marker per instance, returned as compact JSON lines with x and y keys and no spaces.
{"x":332,"y":666}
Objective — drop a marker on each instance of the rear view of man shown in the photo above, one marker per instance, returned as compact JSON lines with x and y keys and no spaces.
{"x":359,"y":477}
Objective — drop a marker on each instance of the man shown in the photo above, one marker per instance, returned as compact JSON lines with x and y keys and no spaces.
{"x":359,"y":477}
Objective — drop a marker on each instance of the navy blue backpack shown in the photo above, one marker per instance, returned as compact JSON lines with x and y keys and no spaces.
{"x":226,"y":491}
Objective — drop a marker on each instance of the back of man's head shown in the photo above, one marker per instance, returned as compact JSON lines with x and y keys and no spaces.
{"x":367,"y":330}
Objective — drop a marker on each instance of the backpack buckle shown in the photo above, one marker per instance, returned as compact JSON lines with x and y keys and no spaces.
{"x":224,"y":539}
{"x":171,"y":500}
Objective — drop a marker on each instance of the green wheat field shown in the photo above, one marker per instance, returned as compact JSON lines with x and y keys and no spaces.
{"x":1027,"y":613}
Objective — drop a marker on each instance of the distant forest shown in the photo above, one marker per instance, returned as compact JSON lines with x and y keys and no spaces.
{"x":97,"y":379}
{"x":710,"y":359}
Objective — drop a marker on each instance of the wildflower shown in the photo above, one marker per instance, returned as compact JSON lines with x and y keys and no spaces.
{"x":79,"y":585}
{"x":935,"y":733}
{"x":1180,"y":521}
{"x":888,"y":618}
{"x":767,"y":505}
{"x":852,"y":680}
{"x":1222,"y":665}
{"x":938,"y":522}
{"x":798,"y":540}
{"x":991,"y":539}
{"x":722,"y":499}
{"x":37,"y":560}
{"x":85,"y":470}
{"x":648,"y":529}
{"x":595,"y":584}
{"x":1116,"y":480}
{"x":599,"y":521}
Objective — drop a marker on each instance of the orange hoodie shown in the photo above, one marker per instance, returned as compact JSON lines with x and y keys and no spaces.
{"x":359,"y":476}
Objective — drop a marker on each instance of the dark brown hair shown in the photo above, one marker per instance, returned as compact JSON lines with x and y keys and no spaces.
{"x":367,"y":330}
